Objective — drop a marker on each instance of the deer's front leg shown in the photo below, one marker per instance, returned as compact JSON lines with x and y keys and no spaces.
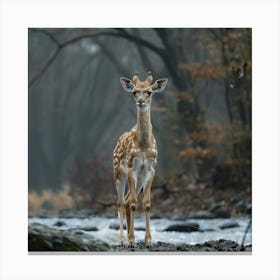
{"x":147,"y":207}
{"x":133,"y":205}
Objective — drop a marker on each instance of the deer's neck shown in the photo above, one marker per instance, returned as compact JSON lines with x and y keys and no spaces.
{"x":144,"y":128}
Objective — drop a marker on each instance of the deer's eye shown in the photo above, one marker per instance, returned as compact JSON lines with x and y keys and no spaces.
{"x":148,"y":93}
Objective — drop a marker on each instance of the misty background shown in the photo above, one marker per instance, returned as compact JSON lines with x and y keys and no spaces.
{"x":77,"y":110}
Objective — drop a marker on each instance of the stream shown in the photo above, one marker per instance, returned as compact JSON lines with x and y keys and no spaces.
{"x":210,"y":229}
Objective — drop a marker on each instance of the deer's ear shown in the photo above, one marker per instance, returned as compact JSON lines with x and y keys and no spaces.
{"x":126,"y":84}
{"x":159,"y":85}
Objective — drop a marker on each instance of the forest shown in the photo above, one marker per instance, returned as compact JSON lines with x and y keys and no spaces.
{"x":202,"y":122}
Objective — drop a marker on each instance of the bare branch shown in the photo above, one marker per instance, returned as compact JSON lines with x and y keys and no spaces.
{"x":245,"y":233}
{"x":51,"y":59}
{"x":44,"y":69}
{"x":45,"y":32}
{"x":124,"y":35}
{"x":60,"y":46}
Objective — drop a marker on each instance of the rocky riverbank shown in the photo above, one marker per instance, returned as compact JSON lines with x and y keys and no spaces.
{"x":43,"y":238}
{"x":210,"y":246}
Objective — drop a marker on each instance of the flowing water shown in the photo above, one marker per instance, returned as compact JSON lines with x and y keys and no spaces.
{"x":209,"y":229}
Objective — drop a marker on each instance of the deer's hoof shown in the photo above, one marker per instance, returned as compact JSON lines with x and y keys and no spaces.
{"x":131,"y":244}
{"x":148,"y":243}
{"x":121,"y":243}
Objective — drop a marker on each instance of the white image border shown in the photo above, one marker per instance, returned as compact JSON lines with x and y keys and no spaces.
{"x":17,"y":16}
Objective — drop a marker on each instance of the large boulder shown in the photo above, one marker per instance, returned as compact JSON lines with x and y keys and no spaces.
{"x":44,"y":238}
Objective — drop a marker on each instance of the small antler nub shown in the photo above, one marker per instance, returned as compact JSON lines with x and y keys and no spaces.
{"x":135,"y":77}
{"x":149,"y":77}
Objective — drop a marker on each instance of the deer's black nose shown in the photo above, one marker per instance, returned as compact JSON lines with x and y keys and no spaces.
{"x":141,"y":103}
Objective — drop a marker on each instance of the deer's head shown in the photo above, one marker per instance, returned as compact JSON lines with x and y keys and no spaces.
{"x":143,"y":90}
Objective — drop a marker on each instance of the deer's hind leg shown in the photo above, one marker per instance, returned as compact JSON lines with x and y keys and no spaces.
{"x":120,"y":186}
{"x":127,"y":210}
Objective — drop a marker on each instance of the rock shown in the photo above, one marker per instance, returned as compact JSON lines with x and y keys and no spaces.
{"x":89,"y":228}
{"x":79,"y":232}
{"x":93,"y":228}
{"x":140,"y":228}
{"x":59,"y":224}
{"x":189,"y":227}
{"x":44,"y":238}
{"x":116,"y":226}
{"x":229,"y":225}
{"x":203,"y":214}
